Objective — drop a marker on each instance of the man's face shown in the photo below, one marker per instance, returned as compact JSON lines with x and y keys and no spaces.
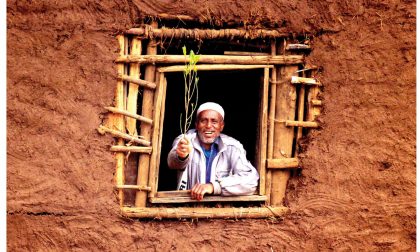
{"x":209,"y":125}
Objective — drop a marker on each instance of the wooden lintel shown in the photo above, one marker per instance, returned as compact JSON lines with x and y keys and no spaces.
{"x":301,"y":124}
{"x":298,"y":47}
{"x":181,"y":68}
{"x":195,"y":212}
{"x":316,"y":102}
{"x":135,"y":187}
{"x":136,"y":149}
{"x":178,"y":33}
{"x":306,"y":81}
{"x":125,"y":136}
{"x":282,"y":163}
{"x":126,"y":113}
{"x":215,"y":59}
{"x":140,"y":82}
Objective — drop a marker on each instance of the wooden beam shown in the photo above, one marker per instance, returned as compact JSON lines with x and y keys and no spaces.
{"x":213,"y":67}
{"x":300,"y":115}
{"x":159,"y":148}
{"x":133,"y":89}
{"x":306,"y":81}
{"x":136,"y":149}
{"x":160,"y":78}
{"x":194,"y":212}
{"x":146,"y":129}
{"x":135,"y":187}
{"x":138,"y":81}
{"x":262,"y":144}
{"x":271,"y":117}
{"x":188,"y":199}
{"x":125,"y":136}
{"x":126,"y":113}
{"x":282,"y":163}
{"x":304,"y":124}
{"x":214,"y":59}
{"x":119,"y":122}
{"x":153,"y":32}
{"x":284,"y":136}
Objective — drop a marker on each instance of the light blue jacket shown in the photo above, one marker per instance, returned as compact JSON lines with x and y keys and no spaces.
{"x":231,"y":172}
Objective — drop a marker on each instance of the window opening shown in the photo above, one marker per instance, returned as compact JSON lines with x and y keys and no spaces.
{"x":236,"y":91}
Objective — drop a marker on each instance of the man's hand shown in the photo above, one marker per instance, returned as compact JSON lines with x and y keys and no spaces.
{"x":198,"y":191}
{"x":183,"y":148}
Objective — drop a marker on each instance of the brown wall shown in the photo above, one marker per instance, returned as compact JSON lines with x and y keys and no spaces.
{"x":357,"y":189}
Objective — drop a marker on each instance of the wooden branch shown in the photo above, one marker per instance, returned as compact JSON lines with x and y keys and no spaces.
{"x":135,"y":187}
{"x":290,"y":123}
{"x":316,"y":102}
{"x":282,"y":163}
{"x":125,"y":136}
{"x":126,"y":113}
{"x":137,"y":81}
{"x":181,"y":68}
{"x":150,"y":32}
{"x":306,"y":81}
{"x":188,"y":199}
{"x":240,"y":53}
{"x":193,"y":212}
{"x":136,"y":149}
{"x":298,"y":47}
{"x":214,"y":59}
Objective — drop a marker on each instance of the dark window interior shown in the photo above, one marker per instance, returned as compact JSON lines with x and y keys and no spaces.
{"x":238,"y":92}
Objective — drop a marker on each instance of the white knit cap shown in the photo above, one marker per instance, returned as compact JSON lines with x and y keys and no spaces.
{"x":211,"y":106}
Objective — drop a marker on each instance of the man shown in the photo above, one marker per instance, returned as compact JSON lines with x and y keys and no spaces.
{"x":211,"y":162}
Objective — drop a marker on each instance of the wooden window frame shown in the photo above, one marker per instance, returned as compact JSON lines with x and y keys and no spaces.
{"x":183,"y":196}
{"x":277,"y":116}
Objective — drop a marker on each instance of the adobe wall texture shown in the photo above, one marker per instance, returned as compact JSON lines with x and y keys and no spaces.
{"x":357,"y":189}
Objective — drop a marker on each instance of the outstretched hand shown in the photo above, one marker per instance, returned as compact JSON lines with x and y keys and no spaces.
{"x":198,"y":190}
{"x":183,"y":148}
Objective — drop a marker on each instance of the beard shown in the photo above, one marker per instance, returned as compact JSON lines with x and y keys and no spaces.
{"x":206,"y":140}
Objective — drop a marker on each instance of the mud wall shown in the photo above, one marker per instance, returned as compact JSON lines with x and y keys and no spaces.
{"x":357,"y":188}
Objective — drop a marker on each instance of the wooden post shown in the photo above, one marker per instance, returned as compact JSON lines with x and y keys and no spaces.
{"x":157,"y":113}
{"x":313,"y":107}
{"x":283,"y":136}
{"x":146,"y":129}
{"x":263,"y":131}
{"x":119,"y":104}
{"x":271,"y":116}
{"x":300,"y":116}
{"x":133,"y":90}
